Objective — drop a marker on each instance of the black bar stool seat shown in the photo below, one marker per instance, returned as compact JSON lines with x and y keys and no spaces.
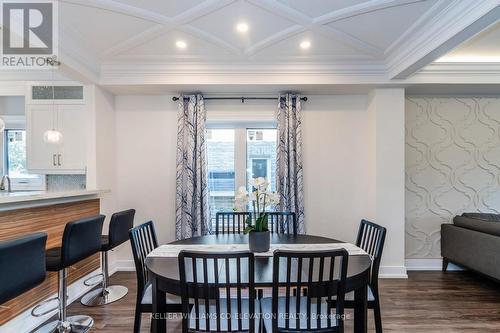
{"x":53,"y":259}
{"x":22,"y":263}
{"x":81,"y":239}
{"x":119,"y":226}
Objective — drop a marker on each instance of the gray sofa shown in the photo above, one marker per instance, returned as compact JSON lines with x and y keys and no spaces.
{"x":473,"y":241}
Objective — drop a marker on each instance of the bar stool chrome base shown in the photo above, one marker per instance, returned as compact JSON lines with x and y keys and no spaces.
{"x":73,"y":324}
{"x":104,"y":296}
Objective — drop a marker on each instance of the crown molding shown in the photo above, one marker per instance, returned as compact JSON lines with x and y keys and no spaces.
{"x":305,"y":73}
{"x":117,"y":73}
{"x":457,"y":22}
{"x":458,"y":73}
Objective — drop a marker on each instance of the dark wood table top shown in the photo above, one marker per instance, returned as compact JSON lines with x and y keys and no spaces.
{"x":167,"y":268}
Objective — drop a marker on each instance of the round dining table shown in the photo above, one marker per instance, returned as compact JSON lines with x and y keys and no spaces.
{"x":163,"y":273}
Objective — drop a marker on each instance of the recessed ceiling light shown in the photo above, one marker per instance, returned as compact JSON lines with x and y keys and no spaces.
{"x":305,"y":44}
{"x":242,"y":27}
{"x":181,"y":44}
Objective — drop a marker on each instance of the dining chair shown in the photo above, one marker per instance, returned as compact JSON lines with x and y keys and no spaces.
{"x":143,"y":240}
{"x":324,"y":274}
{"x":371,"y":238}
{"x":235,"y":222}
{"x":231,"y":222}
{"x":218,"y":292}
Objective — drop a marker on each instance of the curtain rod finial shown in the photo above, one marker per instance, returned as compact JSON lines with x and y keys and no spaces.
{"x":175,"y":98}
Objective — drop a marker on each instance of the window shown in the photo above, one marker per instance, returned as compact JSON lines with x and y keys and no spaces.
{"x":221,"y":169}
{"x":235,"y":155}
{"x":15,"y":162}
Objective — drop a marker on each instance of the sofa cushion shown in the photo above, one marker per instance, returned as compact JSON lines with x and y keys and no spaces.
{"x":488,"y":227}
{"x":483,"y":216}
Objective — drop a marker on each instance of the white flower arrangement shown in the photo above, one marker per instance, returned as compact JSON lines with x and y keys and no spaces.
{"x":262,"y":199}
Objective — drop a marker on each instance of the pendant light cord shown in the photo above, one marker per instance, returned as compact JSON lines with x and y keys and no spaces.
{"x":54,"y":100}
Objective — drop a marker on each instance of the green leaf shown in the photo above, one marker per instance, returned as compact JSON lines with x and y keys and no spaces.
{"x":248,"y":229}
{"x":261,"y":224}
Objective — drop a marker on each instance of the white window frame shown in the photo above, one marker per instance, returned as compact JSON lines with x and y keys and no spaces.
{"x":240,"y":140}
{"x":36,"y":183}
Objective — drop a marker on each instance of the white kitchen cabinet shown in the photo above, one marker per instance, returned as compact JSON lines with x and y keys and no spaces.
{"x":67,"y":157}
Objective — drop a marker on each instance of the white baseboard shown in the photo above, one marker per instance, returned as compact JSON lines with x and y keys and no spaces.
{"x":25,"y":322}
{"x":393,"y":272}
{"x":429,"y":265}
{"x":125,"y":266}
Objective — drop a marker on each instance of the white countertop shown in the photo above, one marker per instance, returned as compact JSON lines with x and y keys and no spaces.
{"x":23,"y":196}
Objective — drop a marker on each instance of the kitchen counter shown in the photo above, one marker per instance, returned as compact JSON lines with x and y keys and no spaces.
{"x":14,"y":200}
{"x":23,"y":213}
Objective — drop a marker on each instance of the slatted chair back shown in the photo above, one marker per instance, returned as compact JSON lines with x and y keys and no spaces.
{"x":324,"y":274}
{"x":235,"y":222}
{"x":221,"y":289}
{"x":371,"y":238}
{"x":143,"y":240}
{"x":282,"y":223}
{"x":231,"y":222}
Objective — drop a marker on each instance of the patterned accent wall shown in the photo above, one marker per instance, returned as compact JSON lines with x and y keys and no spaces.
{"x":452,"y":165}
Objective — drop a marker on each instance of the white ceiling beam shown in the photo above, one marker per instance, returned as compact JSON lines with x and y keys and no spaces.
{"x":316,"y":25}
{"x":77,"y":62}
{"x":124,"y":9}
{"x":136,"y":40}
{"x":359,"y":9}
{"x":76,"y":70}
{"x":422,"y":20}
{"x":212,"y":38}
{"x":167,"y":24}
{"x":277,"y":37}
{"x":458,"y":22}
{"x":349,"y":40}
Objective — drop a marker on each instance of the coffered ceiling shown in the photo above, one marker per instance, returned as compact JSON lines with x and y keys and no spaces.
{"x":337,"y":29}
{"x":114,"y":40}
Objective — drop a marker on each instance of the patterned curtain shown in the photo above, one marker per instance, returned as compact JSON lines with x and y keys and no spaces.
{"x":192,"y":213}
{"x":289,"y":179}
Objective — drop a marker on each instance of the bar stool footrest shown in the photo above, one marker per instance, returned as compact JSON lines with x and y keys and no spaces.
{"x":41,"y":314}
{"x":99,"y":296}
{"x":73,"y":324}
{"x":87,"y":281}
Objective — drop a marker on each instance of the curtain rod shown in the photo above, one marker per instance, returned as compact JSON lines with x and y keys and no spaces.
{"x":242,"y":98}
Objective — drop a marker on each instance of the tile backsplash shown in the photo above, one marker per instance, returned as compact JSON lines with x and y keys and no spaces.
{"x":66,"y":182}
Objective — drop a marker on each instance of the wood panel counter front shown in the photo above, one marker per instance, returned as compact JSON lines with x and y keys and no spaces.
{"x":50,"y":219}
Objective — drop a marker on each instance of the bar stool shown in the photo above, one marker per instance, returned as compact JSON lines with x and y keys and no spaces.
{"x":22,"y":263}
{"x":119,"y":225}
{"x":81,"y":239}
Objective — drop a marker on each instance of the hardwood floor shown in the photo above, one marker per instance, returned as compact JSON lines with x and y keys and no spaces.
{"x":425,"y":302}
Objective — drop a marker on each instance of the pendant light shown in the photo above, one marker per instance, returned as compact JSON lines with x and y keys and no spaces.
{"x":53,"y":136}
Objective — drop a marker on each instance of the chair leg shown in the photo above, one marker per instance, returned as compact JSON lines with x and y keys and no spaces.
{"x":137,"y":319}
{"x":377,"y":315}
{"x":445,"y":264}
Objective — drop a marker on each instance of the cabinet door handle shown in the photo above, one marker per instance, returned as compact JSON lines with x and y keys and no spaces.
{"x":54,"y":159}
{"x":59,"y":159}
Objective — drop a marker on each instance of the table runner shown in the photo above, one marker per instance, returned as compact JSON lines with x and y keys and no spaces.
{"x":172,"y":250}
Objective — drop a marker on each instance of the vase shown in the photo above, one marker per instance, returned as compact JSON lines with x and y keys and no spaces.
{"x":259,"y":241}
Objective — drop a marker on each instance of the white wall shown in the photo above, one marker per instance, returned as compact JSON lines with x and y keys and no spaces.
{"x":12,"y":105}
{"x":101,"y":150}
{"x":146,"y":129}
{"x":386,"y":108}
{"x":339,"y":163}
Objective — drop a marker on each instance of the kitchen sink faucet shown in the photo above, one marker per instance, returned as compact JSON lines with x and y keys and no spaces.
{"x":2,"y":184}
